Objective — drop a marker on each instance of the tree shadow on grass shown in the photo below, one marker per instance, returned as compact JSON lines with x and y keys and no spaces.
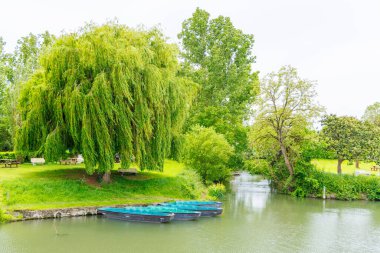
{"x":59,"y":174}
{"x":78,"y":173}
{"x":142,"y":180}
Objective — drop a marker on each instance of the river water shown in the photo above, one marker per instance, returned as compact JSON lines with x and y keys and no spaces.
{"x":254,"y":220}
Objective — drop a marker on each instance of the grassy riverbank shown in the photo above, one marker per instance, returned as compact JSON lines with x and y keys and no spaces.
{"x":311,"y":180}
{"x":58,"y":186}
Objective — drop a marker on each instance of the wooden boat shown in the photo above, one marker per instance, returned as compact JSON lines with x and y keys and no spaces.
{"x":136,"y":215}
{"x":208,"y":211}
{"x":199,"y":203}
{"x":179,"y":214}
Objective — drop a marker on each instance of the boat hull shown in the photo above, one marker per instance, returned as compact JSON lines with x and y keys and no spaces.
{"x":210,"y":213}
{"x":178,"y":214}
{"x":138,"y":217}
{"x":187,"y":216}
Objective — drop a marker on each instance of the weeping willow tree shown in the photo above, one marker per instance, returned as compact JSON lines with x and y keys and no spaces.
{"x":105,"y":90}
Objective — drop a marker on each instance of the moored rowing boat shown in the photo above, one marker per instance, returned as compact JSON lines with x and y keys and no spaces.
{"x":179,"y":214}
{"x":136,"y":215}
{"x":204,"y":210}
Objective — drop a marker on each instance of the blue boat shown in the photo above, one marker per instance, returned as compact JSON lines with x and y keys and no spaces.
{"x":136,"y":215}
{"x":200,"y":203}
{"x":208,"y":211}
{"x":179,"y":214}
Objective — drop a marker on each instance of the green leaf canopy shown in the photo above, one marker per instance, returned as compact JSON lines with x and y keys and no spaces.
{"x":105,"y":90}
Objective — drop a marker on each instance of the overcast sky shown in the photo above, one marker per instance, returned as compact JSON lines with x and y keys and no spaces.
{"x":335,"y":42}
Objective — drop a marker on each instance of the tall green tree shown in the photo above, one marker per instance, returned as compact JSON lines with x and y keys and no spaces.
{"x":349,"y":138}
{"x":366,"y":142}
{"x":372,"y":114}
{"x":374,"y":144}
{"x":21,"y":65}
{"x":219,"y":57}
{"x":286,"y":107}
{"x":102,"y":91}
{"x":5,"y":138}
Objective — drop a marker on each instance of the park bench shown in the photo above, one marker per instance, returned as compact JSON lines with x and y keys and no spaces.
{"x":362,"y":172}
{"x":10,"y":163}
{"x":131,"y":171}
{"x":69,"y":161}
{"x":375,"y":168}
{"x":35,"y":161}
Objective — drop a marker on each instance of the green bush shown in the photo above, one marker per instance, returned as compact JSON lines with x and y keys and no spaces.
{"x":208,"y":153}
{"x":299,"y":193}
{"x":316,"y":149}
{"x":309,"y":182}
{"x":257,"y":166}
{"x":4,"y":217}
{"x":7,"y":155}
{"x":192,"y":186}
{"x":216,"y":191}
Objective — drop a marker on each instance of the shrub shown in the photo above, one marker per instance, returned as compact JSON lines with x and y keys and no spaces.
{"x":309,"y":182}
{"x":208,"y":153}
{"x":257,"y":166}
{"x":4,"y":217}
{"x":192,"y":186}
{"x":316,"y":148}
{"x":216,"y":191}
{"x":7,"y":155}
{"x":299,"y":193}
{"x":374,"y":193}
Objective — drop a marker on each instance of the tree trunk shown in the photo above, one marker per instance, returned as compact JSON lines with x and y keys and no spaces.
{"x":107,"y":177}
{"x":340,"y":166}
{"x":287,"y":161}
{"x":357,"y":164}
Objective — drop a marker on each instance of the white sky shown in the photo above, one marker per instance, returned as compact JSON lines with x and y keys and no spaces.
{"x":336,"y":42}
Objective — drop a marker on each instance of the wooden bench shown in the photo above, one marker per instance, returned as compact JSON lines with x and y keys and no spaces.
{"x":375,"y":168}
{"x":69,"y":161}
{"x":10,"y":163}
{"x":35,"y":161}
{"x":131,"y":171}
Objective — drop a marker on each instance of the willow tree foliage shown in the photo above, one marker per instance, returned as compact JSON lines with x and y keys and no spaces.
{"x":105,"y":90}
{"x":219,"y":57}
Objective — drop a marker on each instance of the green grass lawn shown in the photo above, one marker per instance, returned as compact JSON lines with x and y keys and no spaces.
{"x":54,"y":186}
{"x":331,"y":166}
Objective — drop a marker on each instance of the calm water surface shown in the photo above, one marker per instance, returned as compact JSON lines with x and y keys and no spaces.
{"x":254,"y":220}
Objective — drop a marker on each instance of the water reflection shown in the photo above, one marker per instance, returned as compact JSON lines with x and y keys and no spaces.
{"x":251,"y":192}
{"x":305,"y":225}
